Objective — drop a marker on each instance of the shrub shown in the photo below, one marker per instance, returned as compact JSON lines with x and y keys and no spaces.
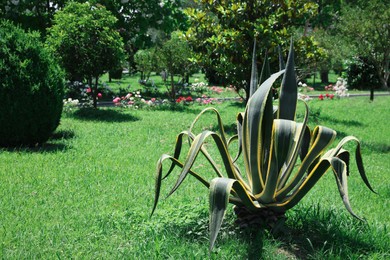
{"x":361,"y":74}
{"x":31,"y":88}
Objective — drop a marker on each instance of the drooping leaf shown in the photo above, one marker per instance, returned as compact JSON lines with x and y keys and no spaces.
{"x":322,"y":138}
{"x":220,"y":189}
{"x":158,"y":178}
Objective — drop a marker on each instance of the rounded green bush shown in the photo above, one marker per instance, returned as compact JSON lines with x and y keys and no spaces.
{"x":31,"y":88}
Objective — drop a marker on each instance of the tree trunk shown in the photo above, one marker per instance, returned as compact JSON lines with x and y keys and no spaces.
{"x":324,"y":76}
{"x":372,"y":93}
{"x":173,"y":92}
{"x":94,"y":92}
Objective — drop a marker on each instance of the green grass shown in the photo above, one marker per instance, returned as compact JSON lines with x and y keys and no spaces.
{"x":88,"y":192}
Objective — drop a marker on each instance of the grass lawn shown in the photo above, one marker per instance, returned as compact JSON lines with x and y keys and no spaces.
{"x":88,"y":192}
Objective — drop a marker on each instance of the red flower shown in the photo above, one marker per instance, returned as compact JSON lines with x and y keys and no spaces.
{"x":327,"y":95}
{"x":331,"y":96}
{"x":321,"y":97}
{"x":180,"y":99}
{"x":189,"y":99}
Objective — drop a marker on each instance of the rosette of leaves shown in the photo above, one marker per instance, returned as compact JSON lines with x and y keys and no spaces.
{"x":283,"y":158}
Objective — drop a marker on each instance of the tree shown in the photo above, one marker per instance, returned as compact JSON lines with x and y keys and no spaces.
{"x":32,"y":15}
{"x":367,"y":28}
{"x":84,"y":40}
{"x":138,"y":22}
{"x":145,"y":62}
{"x":175,"y":57}
{"x":222,"y":32}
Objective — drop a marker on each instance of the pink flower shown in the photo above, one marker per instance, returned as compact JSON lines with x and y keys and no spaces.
{"x":89,"y":90}
{"x":331,"y":96}
{"x":116,"y":100}
{"x":153,"y":99}
{"x":99,"y":95}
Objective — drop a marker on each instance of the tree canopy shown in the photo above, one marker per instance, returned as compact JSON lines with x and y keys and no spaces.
{"x":367,"y":28}
{"x":223,"y":32}
{"x":85,"y":41}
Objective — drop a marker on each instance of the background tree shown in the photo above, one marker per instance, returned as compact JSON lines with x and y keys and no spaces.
{"x":367,"y":28}
{"x":138,"y":22}
{"x":84,"y":39}
{"x":33,"y":15}
{"x":175,"y":58}
{"x":223,"y":32}
{"x":145,"y":62}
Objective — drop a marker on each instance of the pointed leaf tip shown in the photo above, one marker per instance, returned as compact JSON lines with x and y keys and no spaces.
{"x":289,"y":90}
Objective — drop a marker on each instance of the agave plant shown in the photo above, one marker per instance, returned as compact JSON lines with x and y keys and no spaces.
{"x":283,"y":158}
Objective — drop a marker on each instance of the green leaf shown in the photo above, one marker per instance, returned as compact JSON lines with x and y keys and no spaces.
{"x":289,"y":90}
{"x":253,"y":82}
{"x":322,"y":137}
{"x":158,"y":178}
{"x":256,"y":113}
{"x":219,"y":197}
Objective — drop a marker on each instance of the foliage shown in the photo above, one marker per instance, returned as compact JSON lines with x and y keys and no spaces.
{"x":175,"y":58}
{"x":84,"y":40}
{"x":219,"y":29}
{"x":270,"y":141}
{"x":366,"y":28}
{"x":361,"y":74}
{"x":32,"y":15}
{"x":145,"y":63}
{"x":86,"y":194}
{"x":136,"y":19}
{"x":140,"y":21}
{"x":31,"y":88}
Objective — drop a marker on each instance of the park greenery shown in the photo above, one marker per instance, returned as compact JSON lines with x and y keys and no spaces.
{"x":83,"y":39}
{"x":31,"y":88}
{"x":92,"y":93}
{"x":270,"y":141}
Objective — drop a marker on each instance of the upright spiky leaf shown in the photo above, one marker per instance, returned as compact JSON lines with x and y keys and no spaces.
{"x":265,"y":70}
{"x":253,"y":83}
{"x":282,"y":66}
{"x":289,"y":90}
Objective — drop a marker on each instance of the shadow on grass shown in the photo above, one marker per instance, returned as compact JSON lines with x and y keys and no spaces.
{"x":378,"y":148}
{"x":229,"y":129}
{"x":52,"y":145}
{"x":173,"y":107}
{"x":47,"y":147}
{"x":103,"y":115}
{"x":309,"y":233}
{"x":346,"y":122}
{"x":62,"y":135}
{"x":238,"y":104}
{"x":318,"y":232}
{"x":374,"y":147}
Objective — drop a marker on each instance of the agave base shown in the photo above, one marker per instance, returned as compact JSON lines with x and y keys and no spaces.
{"x":262,"y":218}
